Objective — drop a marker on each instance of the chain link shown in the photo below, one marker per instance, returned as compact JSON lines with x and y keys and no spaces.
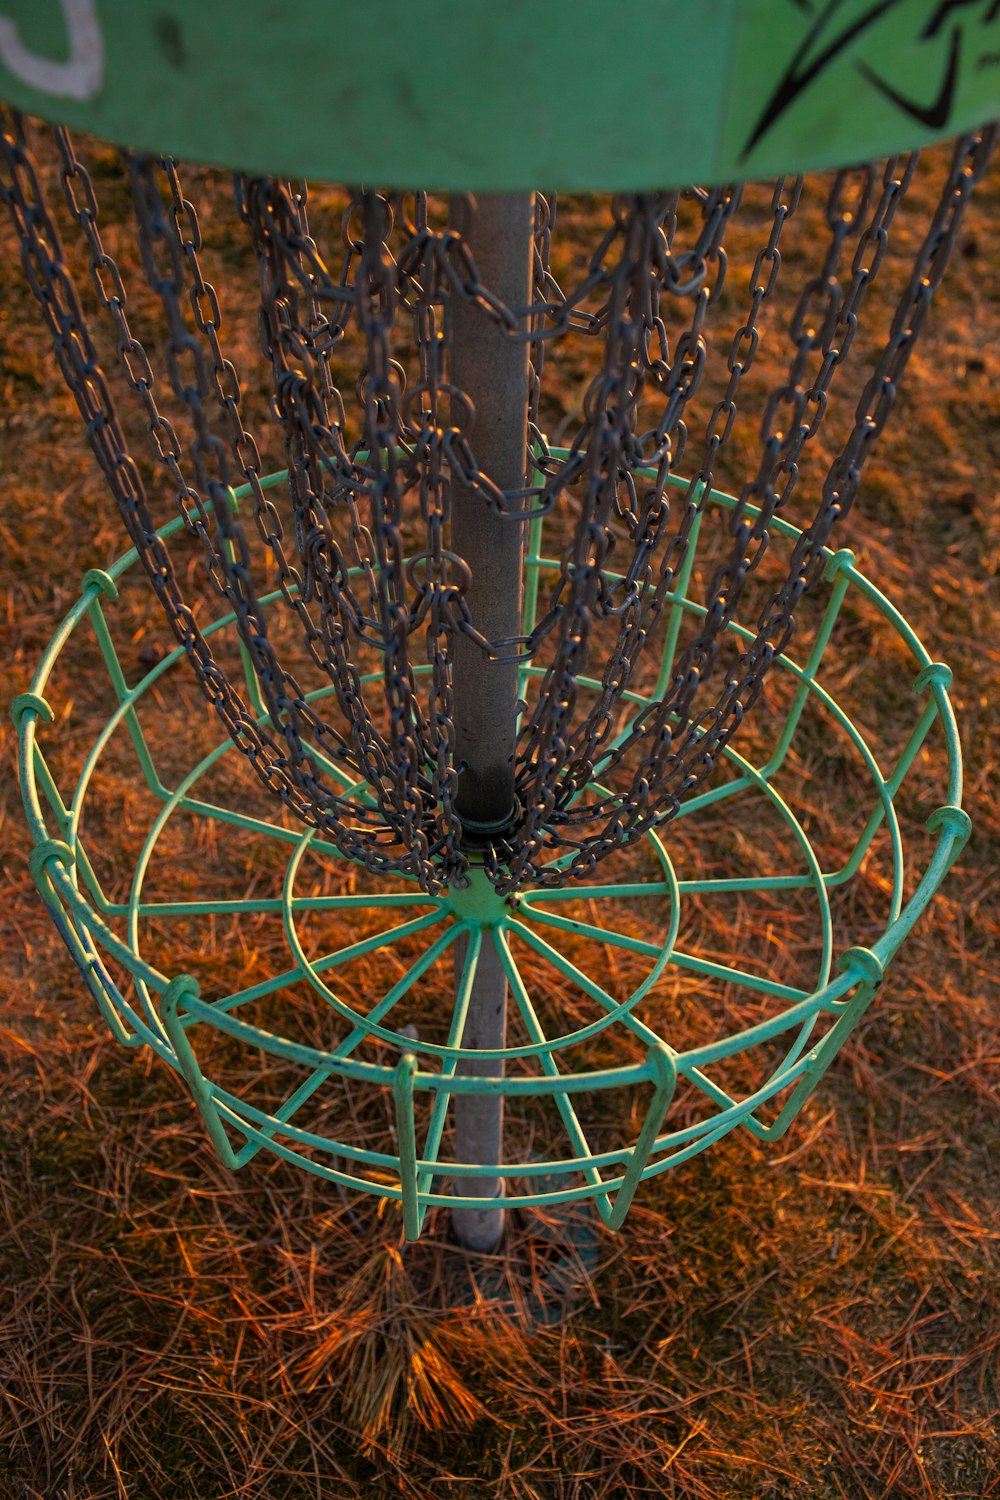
{"x":361,"y":549}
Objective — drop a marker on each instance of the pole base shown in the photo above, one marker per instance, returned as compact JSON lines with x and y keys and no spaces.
{"x":480,"y":1229}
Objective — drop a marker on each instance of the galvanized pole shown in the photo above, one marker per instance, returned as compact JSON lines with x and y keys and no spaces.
{"x":493,"y":370}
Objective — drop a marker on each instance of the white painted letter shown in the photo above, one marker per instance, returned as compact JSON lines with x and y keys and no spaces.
{"x":81,"y":76}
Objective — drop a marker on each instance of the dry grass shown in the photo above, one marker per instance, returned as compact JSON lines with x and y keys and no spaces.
{"x":819,"y":1320}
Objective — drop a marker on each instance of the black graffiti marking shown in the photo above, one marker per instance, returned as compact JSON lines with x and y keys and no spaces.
{"x":935,"y":116}
{"x":800,"y":74}
{"x":795,"y":82}
{"x":948,"y":7}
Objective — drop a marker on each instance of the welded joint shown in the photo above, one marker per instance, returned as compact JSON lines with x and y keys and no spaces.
{"x":953,"y":820}
{"x":96,"y":578}
{"x":935,"y":674}
{"x":49,"y":852}
{"x":27,"y":703}
{"x":865,"y":963}
{"x":841,"y":562}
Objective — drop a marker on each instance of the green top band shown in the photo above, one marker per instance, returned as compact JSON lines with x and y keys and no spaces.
{"x":512,"y":94}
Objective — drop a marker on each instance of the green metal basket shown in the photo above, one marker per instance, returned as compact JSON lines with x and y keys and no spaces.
{"x":695,"y":1043}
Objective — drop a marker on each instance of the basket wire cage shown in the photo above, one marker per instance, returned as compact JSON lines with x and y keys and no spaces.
{"x":144,"y":1003}
{"x":528,"y":780}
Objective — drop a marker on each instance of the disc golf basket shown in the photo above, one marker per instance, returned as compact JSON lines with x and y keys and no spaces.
{"x":533,"y":785}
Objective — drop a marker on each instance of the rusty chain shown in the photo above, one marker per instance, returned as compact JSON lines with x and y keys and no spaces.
{"x":360,"y":549}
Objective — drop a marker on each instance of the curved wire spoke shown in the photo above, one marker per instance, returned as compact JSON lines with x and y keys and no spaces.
{"x":465,"y":981}
{"x":563,"y":1102}
{"x":625,"y":891}
{"x":307,"y":968}
{"x":589,"y":986}
{"x":747,"y":883}
{"x":265,"y":904}
{"x":737,"y":976}
{"x":599,"y":934}
{"x":715,"y":794}
{"x":371,"y":944}
{"x":392,"y":997}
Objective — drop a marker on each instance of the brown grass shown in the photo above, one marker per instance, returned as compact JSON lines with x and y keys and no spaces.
{"x":818,"y":1320}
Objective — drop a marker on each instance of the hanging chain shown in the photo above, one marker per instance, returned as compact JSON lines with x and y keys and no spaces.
{"x":360,"y":548}
{"x":358,"y":829}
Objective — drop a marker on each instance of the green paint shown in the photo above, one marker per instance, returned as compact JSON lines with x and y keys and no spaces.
{"x":577,"y":95}
{"x":477,"y":902}
{"x":171,"y":1016}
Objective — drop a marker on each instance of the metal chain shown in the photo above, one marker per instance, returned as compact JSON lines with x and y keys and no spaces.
{"x":660,"y":723}
{"x":361,"y":546}
{"x":358,"y":830}
{"x":711,"y":731}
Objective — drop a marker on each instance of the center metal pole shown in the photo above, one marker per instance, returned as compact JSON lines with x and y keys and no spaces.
{"x":493,"y":370}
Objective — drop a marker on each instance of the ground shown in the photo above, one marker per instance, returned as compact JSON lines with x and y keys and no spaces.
{"x":816,"y":1319}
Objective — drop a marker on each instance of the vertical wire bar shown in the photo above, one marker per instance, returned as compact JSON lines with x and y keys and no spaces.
{"x":439,"y":1110}
{"x":174,"y":996}
{"x":246,"y":660}
{"x":549,"y":1066}
{"x":122,"y":692}
{"x":406,"y":1135}
{"x":841,"y":584}
{"x":532,"y":569}
{"x":665,"y":1082}
{"x":677,"y":607}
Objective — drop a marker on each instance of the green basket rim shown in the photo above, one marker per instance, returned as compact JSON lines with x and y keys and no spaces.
{"x":842,"y":997}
